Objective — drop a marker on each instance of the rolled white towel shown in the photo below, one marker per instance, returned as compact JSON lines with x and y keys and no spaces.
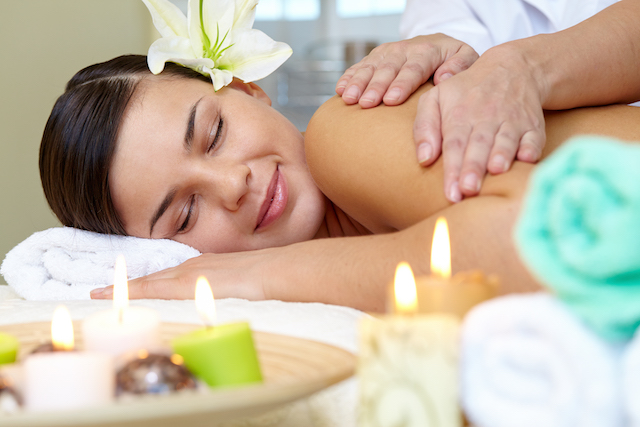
{"x":64,"y":263}
{"x":528,"y":361}
{"x":631,"y":380}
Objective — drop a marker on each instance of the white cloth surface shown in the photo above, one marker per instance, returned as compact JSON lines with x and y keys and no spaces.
{"x":64,"y":263}
{"x":486,"y":23}
{"x":527,"y":361}
{"x":631,"y":380}
{"x":335,"y":325}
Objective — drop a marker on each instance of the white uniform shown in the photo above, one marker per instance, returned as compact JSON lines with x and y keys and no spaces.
{"x":486,"y":23}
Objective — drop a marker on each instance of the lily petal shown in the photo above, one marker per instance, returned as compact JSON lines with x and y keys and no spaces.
{"x":196,"y":34}
{"x":167,"y":18}
{"x":220,"y":78}
{"x":175,"y":49}
{"x":218,"y":20}
{"x":245,"y":14}
{"x":254,"y":55}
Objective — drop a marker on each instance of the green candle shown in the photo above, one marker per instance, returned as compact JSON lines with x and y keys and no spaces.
{"x":8,"y":348}
{"x":221,"y":355}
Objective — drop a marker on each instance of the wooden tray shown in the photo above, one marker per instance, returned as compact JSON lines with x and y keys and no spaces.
{"x":292,"y":368}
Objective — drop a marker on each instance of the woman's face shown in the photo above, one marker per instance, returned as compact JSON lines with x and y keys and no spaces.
{"x":221,"y":172}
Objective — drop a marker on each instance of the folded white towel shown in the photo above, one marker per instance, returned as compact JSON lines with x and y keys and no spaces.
{"x":631,"y":380}
{"x":65,"y":263}
{"x":527,"y":361}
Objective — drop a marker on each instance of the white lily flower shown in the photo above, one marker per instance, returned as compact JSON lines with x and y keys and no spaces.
{"x":215,"y":39}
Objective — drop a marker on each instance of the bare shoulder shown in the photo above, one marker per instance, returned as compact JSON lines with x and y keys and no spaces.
{"x":364,"y":161}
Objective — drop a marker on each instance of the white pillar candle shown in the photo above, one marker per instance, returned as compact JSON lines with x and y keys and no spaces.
{"x":408,"y":371}
{"x":68,"y":380}
{"x":122,"y":329}
{"x":117,"y":332}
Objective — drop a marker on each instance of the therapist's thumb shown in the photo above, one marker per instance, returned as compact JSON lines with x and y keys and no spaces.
{"x":457,"y":63}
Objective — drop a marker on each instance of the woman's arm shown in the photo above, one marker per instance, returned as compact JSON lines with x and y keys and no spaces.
{"x":351,"y":271}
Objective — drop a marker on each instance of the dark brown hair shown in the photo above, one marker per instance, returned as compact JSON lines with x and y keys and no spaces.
{"x":80,"y":136}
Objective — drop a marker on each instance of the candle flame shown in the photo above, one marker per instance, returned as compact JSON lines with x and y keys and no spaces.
{"x":441,"y":250}
{"x":204,"y":301}
{"x":177,"y":359}
{"x":120,"y":285}
{"x":62,"y":329}
{"x":405,"y":290}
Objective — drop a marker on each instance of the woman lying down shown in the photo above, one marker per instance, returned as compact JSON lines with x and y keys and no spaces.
{"x":325,"y":216}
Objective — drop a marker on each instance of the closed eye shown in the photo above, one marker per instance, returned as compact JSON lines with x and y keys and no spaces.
{"x":217,"y":136}
{"x":185,"y":224}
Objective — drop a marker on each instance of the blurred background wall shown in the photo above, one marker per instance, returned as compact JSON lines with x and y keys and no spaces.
{"x":44,"y":42}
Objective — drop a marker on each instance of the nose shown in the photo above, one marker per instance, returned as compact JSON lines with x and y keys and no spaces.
{"x":231,"y":184}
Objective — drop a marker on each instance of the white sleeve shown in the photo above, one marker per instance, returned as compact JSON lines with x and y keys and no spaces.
{"x":451,"y":17}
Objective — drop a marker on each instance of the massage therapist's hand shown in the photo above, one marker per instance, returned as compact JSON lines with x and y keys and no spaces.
{"x":393,"y":71}
{"x":232,"y":275}
{"x":482,"y":119}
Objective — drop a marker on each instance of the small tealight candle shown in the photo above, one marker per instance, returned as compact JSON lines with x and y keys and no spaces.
{"x":8,"y":348}
{"x":220,"y":355}
{"x":122,"y":329}
{"x":67,"y":379}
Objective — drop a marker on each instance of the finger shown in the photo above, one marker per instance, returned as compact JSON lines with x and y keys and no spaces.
{"x":459,"y":62}
{"x":504,"y":150}
{"x":426,"y":128}
{"x":343,"y":81}
{"x":476,"y":157}
{"x":531,"y":146}
{"x":357,"y":84}
{"x":411,"y":76}
{"x":171,"y":288}
{"x":383,"y":76}
{"x":454,"y":142}
{"x":102,"y":293}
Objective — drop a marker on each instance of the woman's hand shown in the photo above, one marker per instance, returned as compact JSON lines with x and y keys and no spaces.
{"x":393,"y":71}
{"x":233,"y":275}
{"x":481,"y":120}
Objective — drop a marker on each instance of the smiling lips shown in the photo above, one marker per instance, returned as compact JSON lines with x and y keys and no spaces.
{"x":275,"y":201}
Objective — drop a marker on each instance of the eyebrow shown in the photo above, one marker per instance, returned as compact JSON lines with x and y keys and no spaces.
{"x":188,"y":136}
{"x":188,"y":141}
{"x":162,"y":208}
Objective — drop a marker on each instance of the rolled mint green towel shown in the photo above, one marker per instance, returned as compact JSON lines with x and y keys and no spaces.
{"x":579,"y":231}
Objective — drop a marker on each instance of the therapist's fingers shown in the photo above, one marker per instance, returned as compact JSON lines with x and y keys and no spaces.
{"x":531,"y":145}
{"x":405,"y":79}
{"x":504,"y":149}
{"x":358,"y":79}
{"x":413,"y":74}
{"x":455,"y":138}
{"x":427,"y":128}
{"x":393,"y":71}
{"x":457,"y":63}
{"x":476,"y":157}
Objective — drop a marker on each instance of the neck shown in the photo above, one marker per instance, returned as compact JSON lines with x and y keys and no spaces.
{"x":337,"y":223}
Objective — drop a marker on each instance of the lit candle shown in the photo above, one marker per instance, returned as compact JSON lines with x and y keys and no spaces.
{"x":220,"y":355}
{"x":408,"y":360}
{"x":407,"y":365}
{"x":8,"y":348}
{"x":439,"y":292}
{"x":123,"y":328}
{"x":66,"y":379}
